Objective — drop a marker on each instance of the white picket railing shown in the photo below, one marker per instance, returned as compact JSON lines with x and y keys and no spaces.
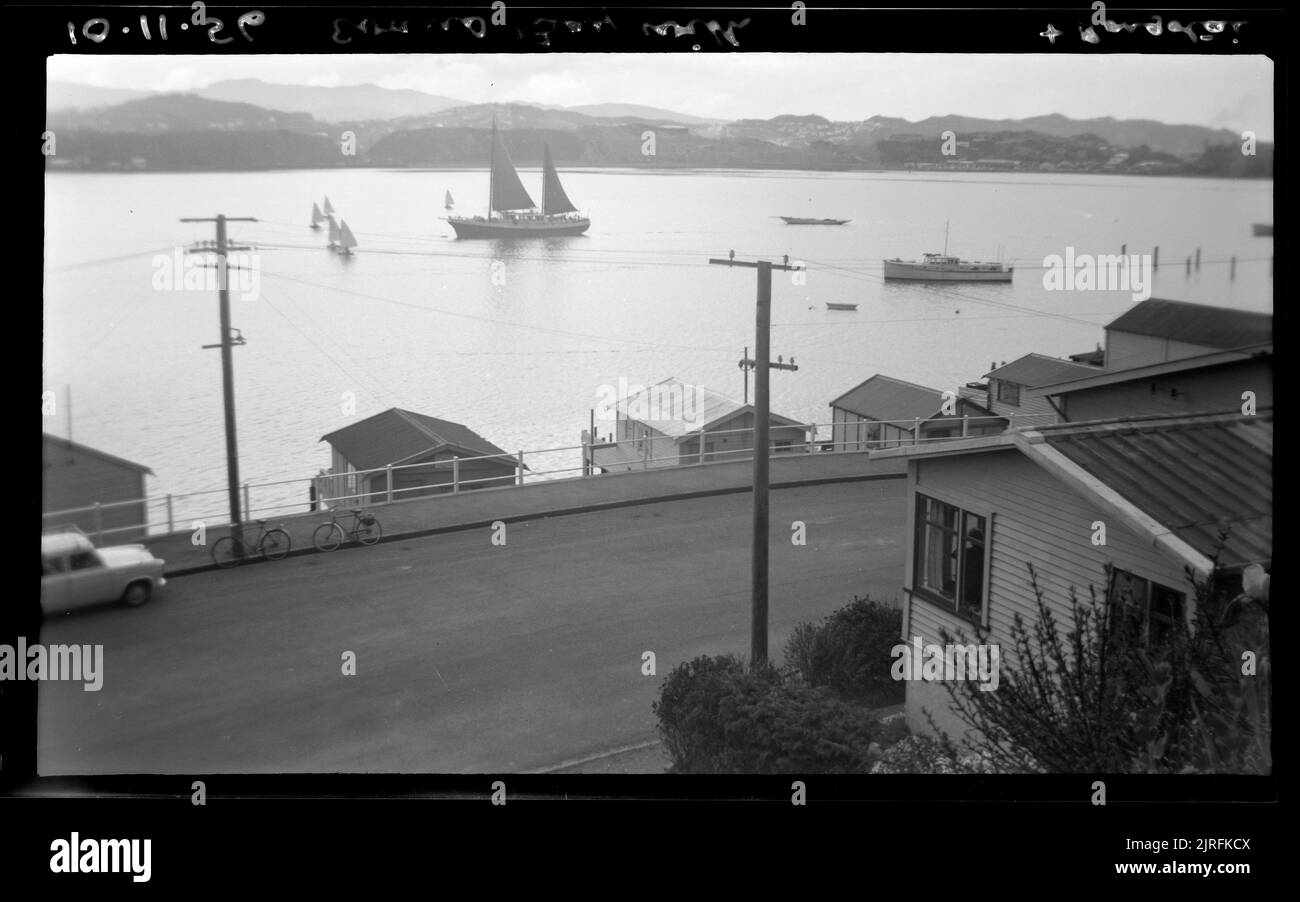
{"x":165,"y":514}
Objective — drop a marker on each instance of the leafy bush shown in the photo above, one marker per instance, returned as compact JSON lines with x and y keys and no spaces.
{"x":850,"y":652}
{"x":1097,"y":699}
{"x":717,"y":717}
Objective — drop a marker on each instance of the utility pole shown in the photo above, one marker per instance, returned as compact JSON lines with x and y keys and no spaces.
{"x":747,"y":365}
{"x":762,"y":451}
{"x":228,"y":341}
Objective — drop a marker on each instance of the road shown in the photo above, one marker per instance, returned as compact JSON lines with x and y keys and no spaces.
{"x":470,"y":657}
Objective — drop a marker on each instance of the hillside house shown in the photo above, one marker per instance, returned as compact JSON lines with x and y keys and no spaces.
{"x":883,"y":412}
{"x":1157,"y":331}
{"x":982,"y":510}
{"x":1205,"y":383}
{"x":1009,"y":384}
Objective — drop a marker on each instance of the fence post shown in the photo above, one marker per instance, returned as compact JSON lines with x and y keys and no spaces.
{"x":965,"y":425}
{"x":521,"y":467}
{"x":703,"y":437}
{"x":455,"y":475}
{"x":171,"y":526}
{"x":1012,"y":425}
{"x":248,"y":508}
{"x":916,"y":430}
{"x":99,"y":523}
{"x":388,"y":479}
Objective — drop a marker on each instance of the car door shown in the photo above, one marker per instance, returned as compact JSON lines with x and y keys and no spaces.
{"x":87,"y":581}
{"x":54,"y":583}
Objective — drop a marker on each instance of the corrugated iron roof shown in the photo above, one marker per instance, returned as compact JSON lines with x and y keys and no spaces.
{"x":689,"y":408}
{"x":885,"y":398}
{"x":1198,"y":324}
{"x":1196,"y":475}
{"x":396,"y":435}
{"x":1039,"y":369}
{"x":1162,"y":368}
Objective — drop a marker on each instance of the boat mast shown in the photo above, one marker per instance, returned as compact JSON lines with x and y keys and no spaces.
{"x":946,"y":223}
{"x":543,"y":209}
{"x":492,"y":165}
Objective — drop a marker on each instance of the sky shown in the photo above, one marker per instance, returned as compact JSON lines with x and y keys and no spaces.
{"x":1234,"y":92}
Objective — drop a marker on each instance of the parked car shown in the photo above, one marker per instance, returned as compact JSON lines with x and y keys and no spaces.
{"x":75,"y":573}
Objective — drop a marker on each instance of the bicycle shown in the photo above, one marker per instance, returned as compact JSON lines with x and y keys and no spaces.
{"x":273,"y":544}
{"x":365,"y":529}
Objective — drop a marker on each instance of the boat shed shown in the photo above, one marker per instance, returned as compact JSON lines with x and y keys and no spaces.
{"x":425,"y":456}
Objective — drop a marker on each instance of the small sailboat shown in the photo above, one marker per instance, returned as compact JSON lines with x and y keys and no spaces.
{"x":329,"y":208}
{"x":831,"y":305}
{"x":448,"y":203}
{"x":516,"y":215}
{"x":335,"y":234}
{"x":346,"y":240}
{"x":316,"y":217}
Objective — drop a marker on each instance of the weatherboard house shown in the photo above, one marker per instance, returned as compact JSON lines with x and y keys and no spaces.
{"x":421,"y":454}
{"x":982,"y":511}
{"x":883,"y":412}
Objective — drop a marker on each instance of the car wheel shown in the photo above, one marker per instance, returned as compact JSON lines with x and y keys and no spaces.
{"x":137,"y":594}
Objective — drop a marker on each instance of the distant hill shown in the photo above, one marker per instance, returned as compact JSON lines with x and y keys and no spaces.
{"x":180,"y":112}
{"x":257,"y":137}
{"x":636,"y":111}
{"x":65,"y":95}
{"x":330,"y":104}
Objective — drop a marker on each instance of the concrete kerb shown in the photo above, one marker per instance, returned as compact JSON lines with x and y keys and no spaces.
{"x":564,"y":512}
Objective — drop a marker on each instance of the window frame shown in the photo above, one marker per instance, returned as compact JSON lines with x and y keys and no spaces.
{"x":956,"y":605}
{"x":1150,"y":587}
{"x":1006,"y":388}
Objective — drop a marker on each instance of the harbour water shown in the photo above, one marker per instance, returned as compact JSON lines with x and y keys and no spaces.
{"x":516,"y":340}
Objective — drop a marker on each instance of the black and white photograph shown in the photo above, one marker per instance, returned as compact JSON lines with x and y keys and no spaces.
{"x":709,"y":413}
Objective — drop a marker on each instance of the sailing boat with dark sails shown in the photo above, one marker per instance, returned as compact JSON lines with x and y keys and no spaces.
{"x":512,"y":212}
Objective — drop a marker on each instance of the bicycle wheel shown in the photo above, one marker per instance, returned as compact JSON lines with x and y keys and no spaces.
{"x":328,"y":537}
{"x":276,"y":544}
{"x":370,"y":533}
{"x":228,"y":552}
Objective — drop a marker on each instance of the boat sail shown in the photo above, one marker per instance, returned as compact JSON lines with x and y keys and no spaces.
{"x":519,"y":216}
{"x":335,"y":234}
{"x":448,"y":203}
{"x":316,"y":218}
{"x":329,"y":208}
{"x":346,"y":239}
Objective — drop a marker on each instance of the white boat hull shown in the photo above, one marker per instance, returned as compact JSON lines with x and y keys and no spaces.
{"x":523,"y":227}
{"x":947,"y":272}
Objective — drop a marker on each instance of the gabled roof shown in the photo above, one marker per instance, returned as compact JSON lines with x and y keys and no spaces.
{"x":395,"y":435}
{"x":1151,"y":370}
{"x":1197,"y":324}
{"x":1180,"y":480}
{"x":1196,"y":476}
{"x":53,"y":441}
{"x":690,"y":408}
{"x":885,"y":398}
{"x":1039,"y":369}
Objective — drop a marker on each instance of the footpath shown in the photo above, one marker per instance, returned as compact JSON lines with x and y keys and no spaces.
{"x":433,"y":514}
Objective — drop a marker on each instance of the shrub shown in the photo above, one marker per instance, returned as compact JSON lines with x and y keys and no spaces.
{"x":1096,"y":699}
{"x":850,"y":652}
{"x":717,"y":717}
{"x":924,"y":755}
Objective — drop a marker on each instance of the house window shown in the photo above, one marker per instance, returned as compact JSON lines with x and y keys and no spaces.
{"x":1148,"y":608}
{"x":949,"y":556}
{"x":1008,"y":393}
